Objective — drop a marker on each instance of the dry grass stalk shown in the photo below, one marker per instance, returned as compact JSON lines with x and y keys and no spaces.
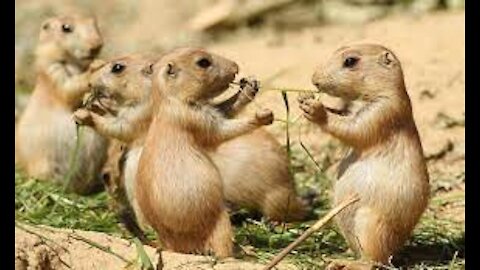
{"x":317,"y":226}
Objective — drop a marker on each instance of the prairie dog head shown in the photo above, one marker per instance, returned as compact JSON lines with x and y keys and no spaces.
{"x":193,"y":75}
{"x":75,"y":39}
{"x":360,"y":72}
{"x":125,"y":81}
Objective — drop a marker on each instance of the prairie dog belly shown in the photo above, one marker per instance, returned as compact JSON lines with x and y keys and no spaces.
{"x":131,"y":166}
{"x":130,"y":172}
{"x":187,"y":184}
{"x":382,"y":181}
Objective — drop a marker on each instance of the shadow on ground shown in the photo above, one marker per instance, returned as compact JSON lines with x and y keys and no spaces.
{"x":436,"y":253}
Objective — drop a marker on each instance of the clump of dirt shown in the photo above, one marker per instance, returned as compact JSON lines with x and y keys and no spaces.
{"x":46,"y":248}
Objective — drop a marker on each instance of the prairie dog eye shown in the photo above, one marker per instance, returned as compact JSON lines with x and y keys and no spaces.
{"x":67,"y":28}
{"x":204,"y":63}
{"x":117,"y":68}
{"x":350,"y":62}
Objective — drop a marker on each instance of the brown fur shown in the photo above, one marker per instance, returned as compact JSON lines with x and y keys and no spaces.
{"x":386,"y":165}
{"x":124,"y":115}
{"x":254,"y":167}
{"x":178,"y":187}
{"x":46,"y":134}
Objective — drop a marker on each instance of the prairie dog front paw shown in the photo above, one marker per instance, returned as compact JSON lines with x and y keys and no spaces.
{"x":312,"y":109}
{"x":249,"y":87}
{"x":83,"y":117}
{"x":264,"y":117}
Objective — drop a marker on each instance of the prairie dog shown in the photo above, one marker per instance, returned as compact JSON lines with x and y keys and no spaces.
{"x":254,"y":167}
{"x":46,"y":133}
{"x":123,"y":90}
{"x":178,"y":187}
{"x":386,"y":166}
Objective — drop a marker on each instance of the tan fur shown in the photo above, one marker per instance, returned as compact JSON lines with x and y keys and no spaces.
{"x":254,"y":167}
{"x":46,"y":134}
{"x":126,"y":119}
{"x":178,"y":187}
{"x":386,"y":165}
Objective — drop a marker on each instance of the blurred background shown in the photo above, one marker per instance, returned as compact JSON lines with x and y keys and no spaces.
{"x":156,"y":25}
{"x":281,"y":42}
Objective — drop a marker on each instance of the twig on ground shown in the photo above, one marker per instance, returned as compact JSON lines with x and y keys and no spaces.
{"x":319,"y":224}
{"x":44,"y":238}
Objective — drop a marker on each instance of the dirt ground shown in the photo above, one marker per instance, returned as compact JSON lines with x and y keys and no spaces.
{"x":44,"y":248}
{"x":432,"y":51}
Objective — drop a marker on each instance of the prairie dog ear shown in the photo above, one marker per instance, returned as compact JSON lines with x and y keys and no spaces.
{"x":387,"y":59}
{"x":147,"y":70}
{"x":47,"y":24}
{"x":171,"y":69}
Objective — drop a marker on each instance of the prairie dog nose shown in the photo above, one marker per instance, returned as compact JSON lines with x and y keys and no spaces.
{"x":319,"y":77}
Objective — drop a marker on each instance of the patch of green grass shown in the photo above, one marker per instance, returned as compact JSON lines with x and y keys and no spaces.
{"x":40,"y":202}
{"x":266,"y":240}
{"x":437,"y":243}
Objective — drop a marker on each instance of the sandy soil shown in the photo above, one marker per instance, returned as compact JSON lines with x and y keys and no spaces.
{"x":44,"y":248}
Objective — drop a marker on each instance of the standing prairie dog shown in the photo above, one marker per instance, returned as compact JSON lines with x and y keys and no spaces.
{"x":122,"y":112}
{"x":386,"y":166}
{"x":45,"y":136}
{"x":178,"y":187}
{"x":254,"y":167}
